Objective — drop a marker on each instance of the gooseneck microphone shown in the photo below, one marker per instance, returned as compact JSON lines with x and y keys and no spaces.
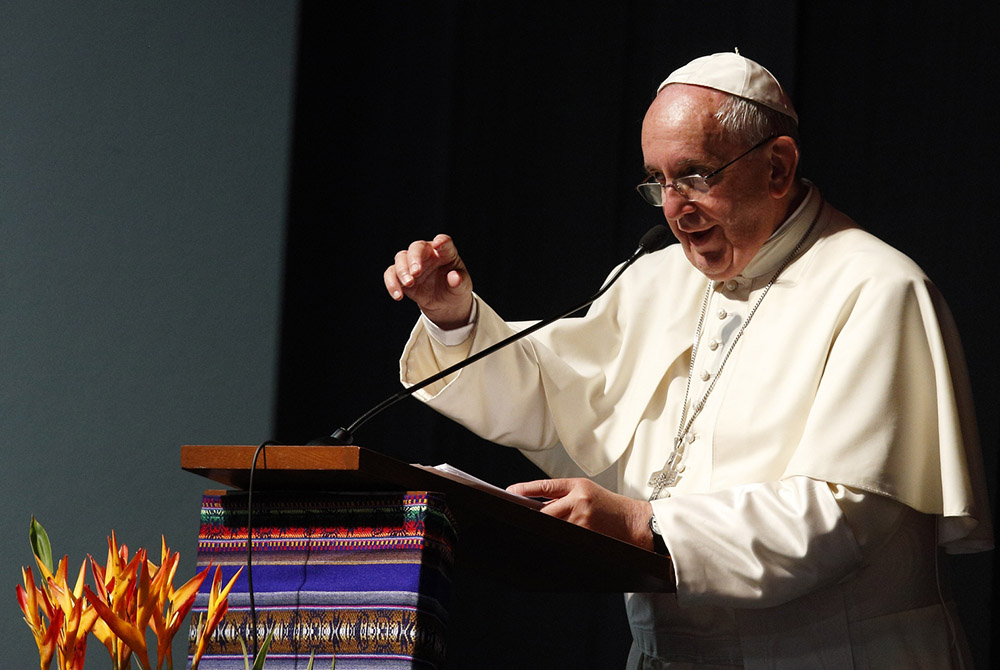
{"x":654,"y":239}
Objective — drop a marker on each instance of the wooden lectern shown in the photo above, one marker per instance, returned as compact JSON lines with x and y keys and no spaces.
{"x":352,"y":553}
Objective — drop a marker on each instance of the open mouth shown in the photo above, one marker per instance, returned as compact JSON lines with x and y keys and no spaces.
{"x":700,"y":237}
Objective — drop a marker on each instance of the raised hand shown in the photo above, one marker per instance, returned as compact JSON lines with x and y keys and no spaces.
{"x":432,"y":274}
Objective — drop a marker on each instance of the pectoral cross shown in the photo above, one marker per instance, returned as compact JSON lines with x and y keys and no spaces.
{"x":671,"y":471}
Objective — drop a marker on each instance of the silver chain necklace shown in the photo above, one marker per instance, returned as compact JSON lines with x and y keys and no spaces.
{"x":671,"y":470}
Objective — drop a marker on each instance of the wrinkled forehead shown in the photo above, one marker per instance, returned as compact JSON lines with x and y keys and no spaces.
{"x":684,"y":113}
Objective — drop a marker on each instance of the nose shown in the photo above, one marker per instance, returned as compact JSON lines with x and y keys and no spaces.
{"x":675,"y":205}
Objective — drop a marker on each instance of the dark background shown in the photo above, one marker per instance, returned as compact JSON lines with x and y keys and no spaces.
{"x":514,"y":127}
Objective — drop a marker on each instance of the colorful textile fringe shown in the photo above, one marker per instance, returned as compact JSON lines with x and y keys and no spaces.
{"x":364,"y":577}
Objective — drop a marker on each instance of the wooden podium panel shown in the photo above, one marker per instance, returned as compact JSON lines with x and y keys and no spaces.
{"x":500,"y":537}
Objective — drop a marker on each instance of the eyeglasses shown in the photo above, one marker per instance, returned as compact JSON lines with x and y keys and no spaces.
{"x":691,"y":187}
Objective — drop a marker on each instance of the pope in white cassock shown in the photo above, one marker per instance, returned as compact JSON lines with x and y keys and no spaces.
{"x":779,"y":402}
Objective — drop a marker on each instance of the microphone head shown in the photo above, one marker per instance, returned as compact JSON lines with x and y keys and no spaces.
{"x":655,"y":239}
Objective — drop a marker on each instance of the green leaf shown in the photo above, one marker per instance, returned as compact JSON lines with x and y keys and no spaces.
{"x":40,"y":544}
{"x":258,"y":663}
{"x":246,"y":661}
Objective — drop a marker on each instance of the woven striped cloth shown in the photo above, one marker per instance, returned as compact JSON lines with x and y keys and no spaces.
{"x":364,"y":577}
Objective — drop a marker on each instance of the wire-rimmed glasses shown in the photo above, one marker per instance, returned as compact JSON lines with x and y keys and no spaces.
{"x":690,"y":187}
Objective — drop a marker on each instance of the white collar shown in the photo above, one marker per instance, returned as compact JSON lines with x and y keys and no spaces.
{"x":783,"y":240}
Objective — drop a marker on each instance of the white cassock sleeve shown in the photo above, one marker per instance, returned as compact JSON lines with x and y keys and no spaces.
{"x":765,"y":544}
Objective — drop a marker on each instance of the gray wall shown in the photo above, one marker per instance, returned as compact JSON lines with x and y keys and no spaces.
{"x":143,"y":160}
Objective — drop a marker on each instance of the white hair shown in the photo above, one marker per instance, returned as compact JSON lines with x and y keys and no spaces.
{"x":747,"y":122}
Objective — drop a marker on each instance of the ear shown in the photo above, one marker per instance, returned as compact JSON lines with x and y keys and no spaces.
{"x":784,"y":159}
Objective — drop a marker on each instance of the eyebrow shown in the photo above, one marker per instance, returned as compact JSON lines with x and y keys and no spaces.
{"x":685,"y":165}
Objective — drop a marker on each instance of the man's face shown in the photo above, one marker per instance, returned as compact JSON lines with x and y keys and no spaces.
{"x":723,"y":230}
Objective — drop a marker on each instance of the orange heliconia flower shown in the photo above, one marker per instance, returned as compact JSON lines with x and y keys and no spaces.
{"x":218,"y":605}
{"x":129,"y":596}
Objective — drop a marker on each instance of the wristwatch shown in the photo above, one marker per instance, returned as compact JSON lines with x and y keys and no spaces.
{"x":659,"y":546}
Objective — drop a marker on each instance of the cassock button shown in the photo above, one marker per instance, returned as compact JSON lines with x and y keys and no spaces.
{"x":690,"y":439}
{"x":714,"y":344}
{"x":732,"y":285}
{"x":723,"y":314}
{"x":705,"y":376}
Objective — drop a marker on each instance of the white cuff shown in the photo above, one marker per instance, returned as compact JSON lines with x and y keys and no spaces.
{"x":454,"y":336}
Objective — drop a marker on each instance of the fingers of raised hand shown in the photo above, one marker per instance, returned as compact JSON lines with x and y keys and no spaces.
{"x":445,"y":248}
{"x":392,"y":283}
{"x":419,"y":256}
{"x":408,"y":264}
{"x":398,"y":277}
{"x":422,"y":256}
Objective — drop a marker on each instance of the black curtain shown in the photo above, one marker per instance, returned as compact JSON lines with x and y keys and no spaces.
{"x":514,"y":127}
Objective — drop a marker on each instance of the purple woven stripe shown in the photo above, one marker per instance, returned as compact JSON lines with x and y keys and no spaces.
{"x":291,"y":578}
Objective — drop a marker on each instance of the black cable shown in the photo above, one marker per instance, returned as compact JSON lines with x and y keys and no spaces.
{"x":253,"y":609}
